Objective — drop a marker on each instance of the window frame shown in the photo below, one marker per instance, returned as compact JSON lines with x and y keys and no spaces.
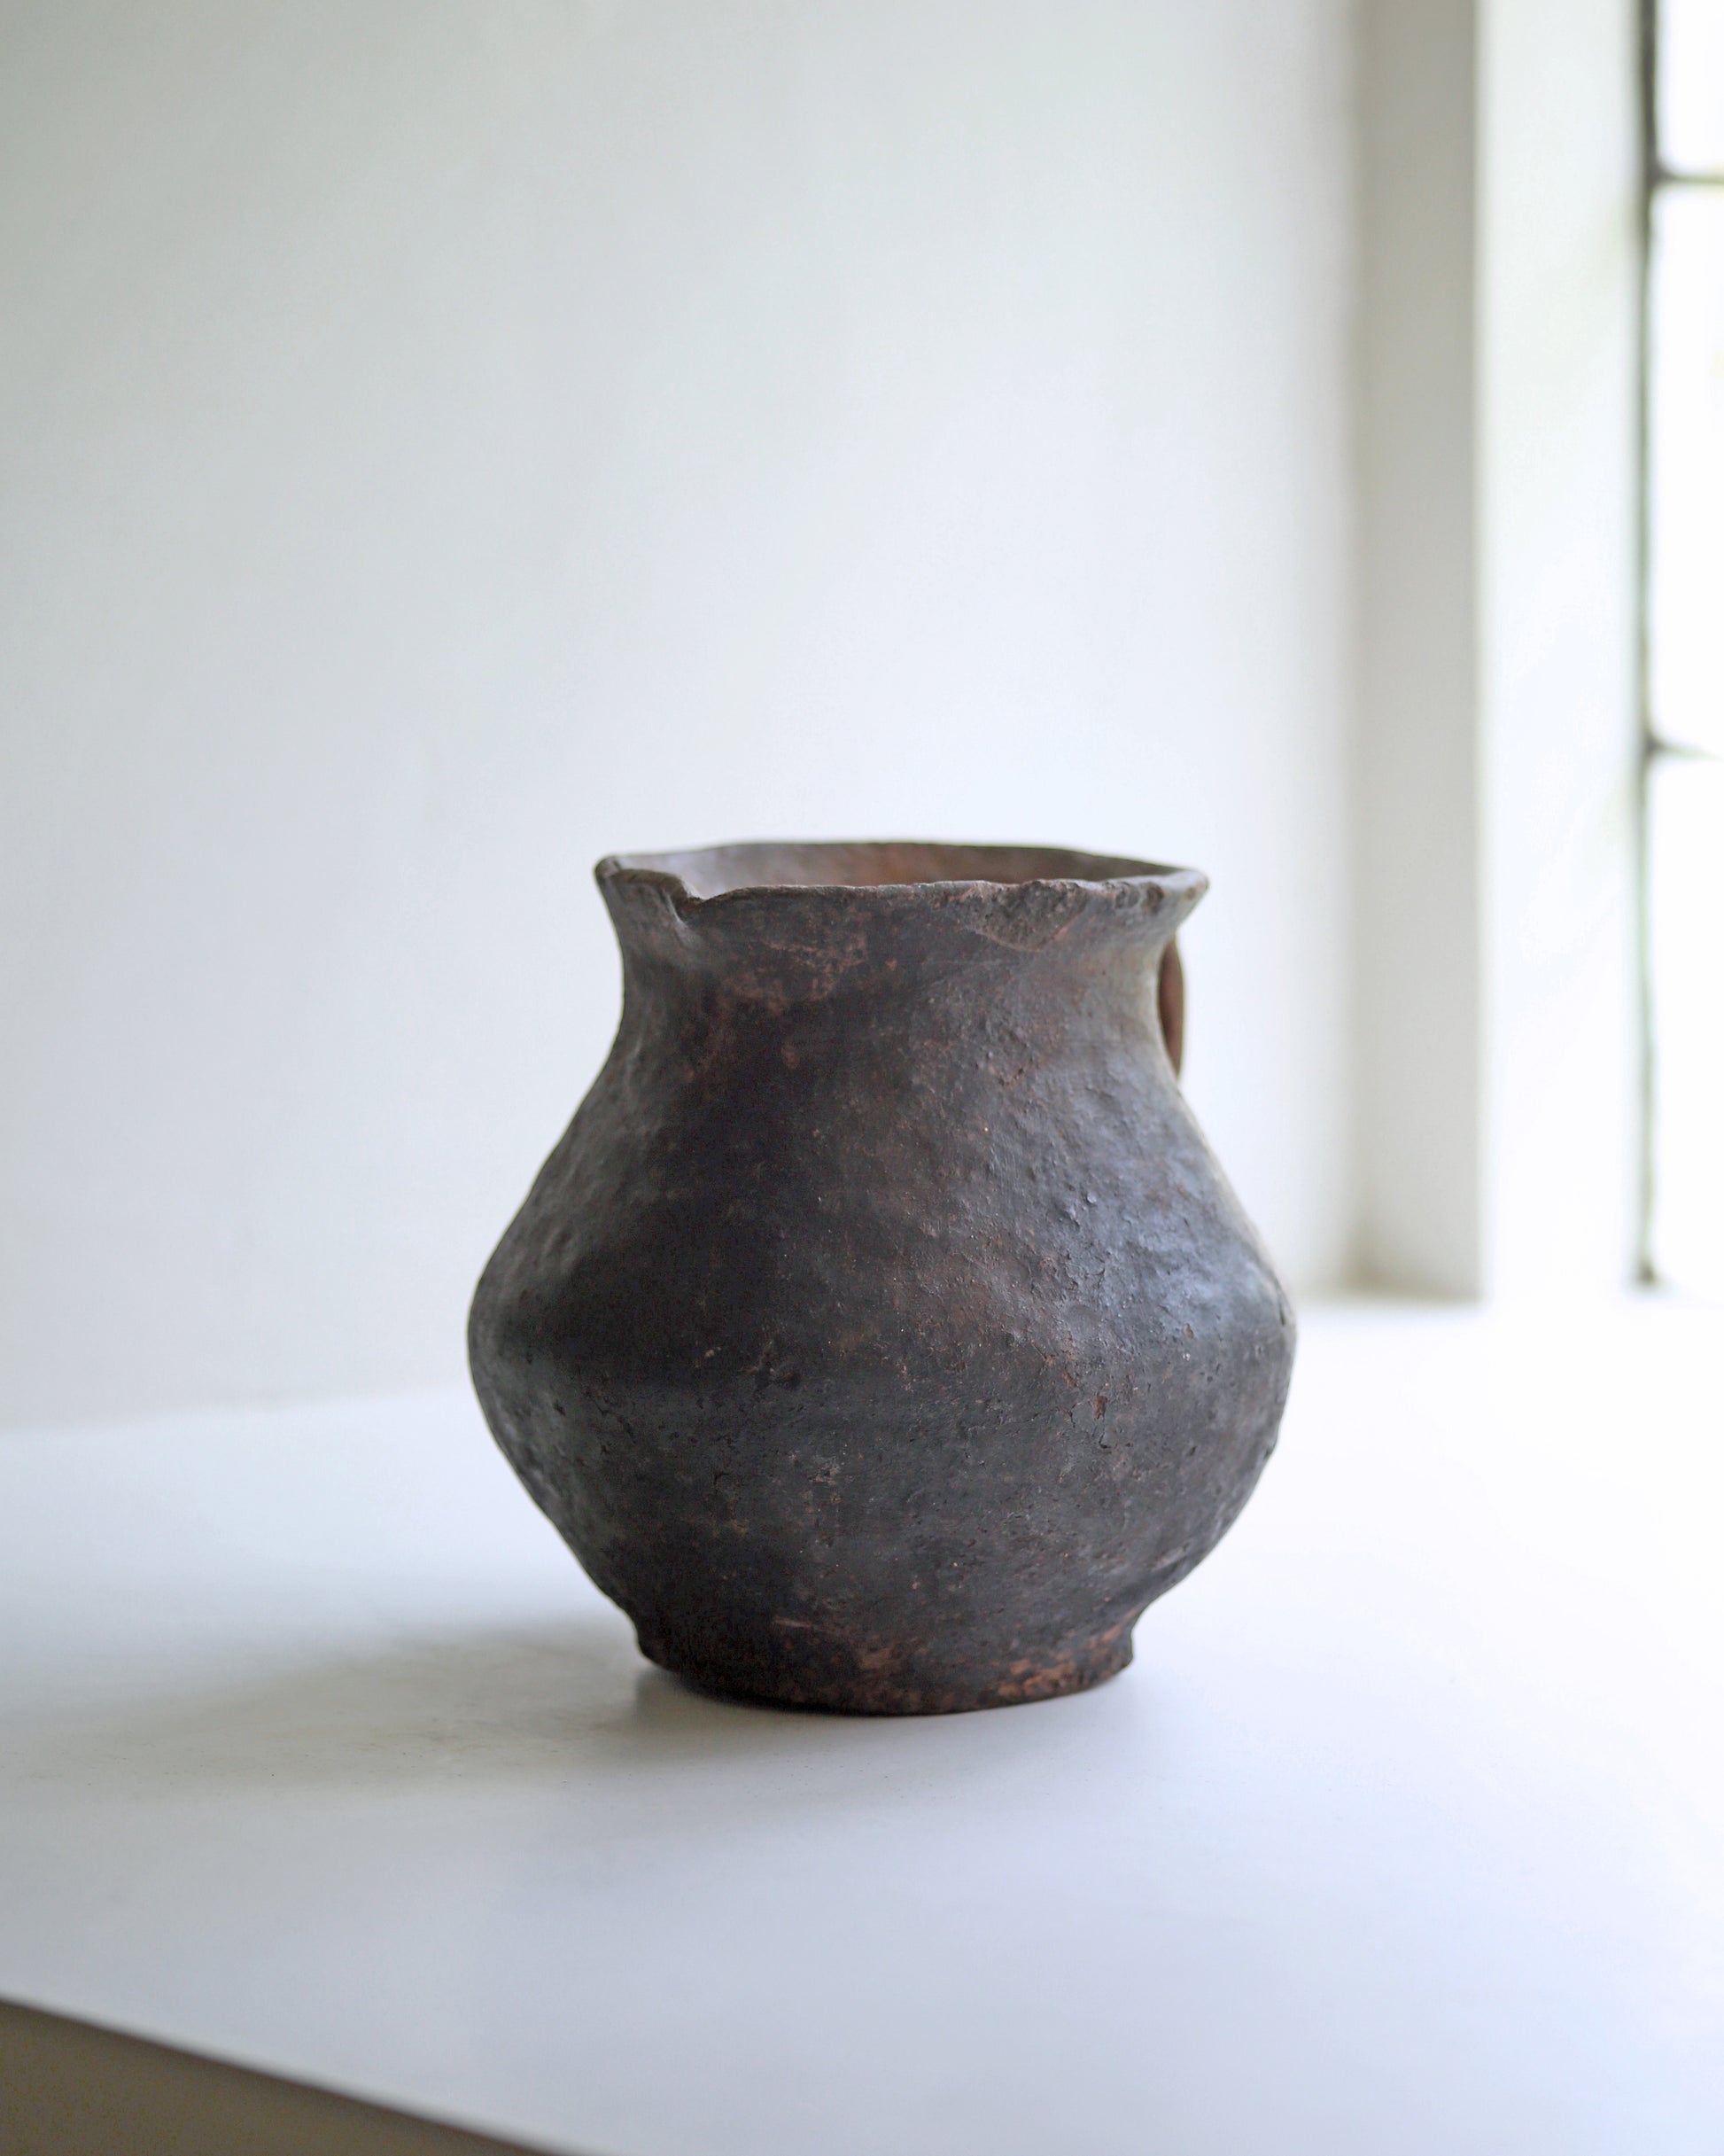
{"x":1658,"y":178}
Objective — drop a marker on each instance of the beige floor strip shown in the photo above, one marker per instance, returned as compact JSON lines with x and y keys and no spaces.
{"x":68,"y":2088}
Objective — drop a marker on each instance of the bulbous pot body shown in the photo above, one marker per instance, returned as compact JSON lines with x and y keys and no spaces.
{"x":882,"y":1335}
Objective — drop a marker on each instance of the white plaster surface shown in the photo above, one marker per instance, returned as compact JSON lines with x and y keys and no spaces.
{"x":1405,"y":1831}
{"x":444,"y":440}
{"x":1495,"y":985}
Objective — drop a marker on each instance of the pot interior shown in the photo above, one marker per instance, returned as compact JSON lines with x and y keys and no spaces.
{"x":868,"y":864}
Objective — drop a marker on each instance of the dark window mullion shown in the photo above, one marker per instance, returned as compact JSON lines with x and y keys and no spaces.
{"x":1681,"y":771}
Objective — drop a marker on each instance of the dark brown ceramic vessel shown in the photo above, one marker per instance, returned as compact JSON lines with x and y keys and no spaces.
{"x":882,"y":1335}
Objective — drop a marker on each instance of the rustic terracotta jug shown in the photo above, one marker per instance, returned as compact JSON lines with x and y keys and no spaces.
{"x":882,"y":1334}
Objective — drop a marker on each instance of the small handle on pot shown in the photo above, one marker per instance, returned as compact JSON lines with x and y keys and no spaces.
{"x":1170,"y":1004}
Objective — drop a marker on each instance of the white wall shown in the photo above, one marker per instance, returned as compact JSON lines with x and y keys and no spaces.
{"x":1559,"y":198}
{"x":1496,"y":899}
{"x":1420,"y":880}
{"x":445,"y":442}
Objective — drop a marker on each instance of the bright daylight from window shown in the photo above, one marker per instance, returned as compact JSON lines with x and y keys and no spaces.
{"x":1685,"y":800}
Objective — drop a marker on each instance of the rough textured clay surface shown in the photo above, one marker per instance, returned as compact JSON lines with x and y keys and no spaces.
{"x":882,"y":1335}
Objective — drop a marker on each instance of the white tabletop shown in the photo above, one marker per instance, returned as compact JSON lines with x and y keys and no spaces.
{"x":1405,"y":1834}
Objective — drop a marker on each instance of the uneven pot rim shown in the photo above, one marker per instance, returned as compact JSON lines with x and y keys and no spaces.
{"x":888,"y":868}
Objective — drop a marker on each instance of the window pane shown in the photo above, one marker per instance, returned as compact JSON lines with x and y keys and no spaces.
{"x":1691,"y":85}
{"x":1687,"y":837}
{"x":1686,"y":622}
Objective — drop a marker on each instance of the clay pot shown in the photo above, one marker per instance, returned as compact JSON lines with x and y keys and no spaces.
{"x":882,"y":1335}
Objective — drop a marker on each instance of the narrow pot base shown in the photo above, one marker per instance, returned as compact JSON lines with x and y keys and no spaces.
{"x":885,"y":1691}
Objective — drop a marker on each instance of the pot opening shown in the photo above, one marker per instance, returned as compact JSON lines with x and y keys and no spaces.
{"x":871,"y":864}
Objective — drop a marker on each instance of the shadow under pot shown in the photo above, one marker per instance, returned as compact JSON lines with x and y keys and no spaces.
{"x":882,"y":1335}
